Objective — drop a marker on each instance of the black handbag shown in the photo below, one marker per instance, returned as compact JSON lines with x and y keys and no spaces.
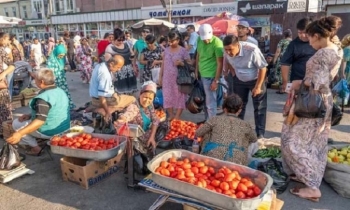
{"x":184,"y":76}
{"x":309,"y":103}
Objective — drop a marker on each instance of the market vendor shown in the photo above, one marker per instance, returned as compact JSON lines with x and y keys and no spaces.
{"x":49,"y":114}
{"x":102,"y":88}
{"x":227,"y":137}
{"x":142,"y":112}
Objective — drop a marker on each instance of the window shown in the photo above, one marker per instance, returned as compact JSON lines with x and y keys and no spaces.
{"x":24,"y":10}
{"x":14,"y":11}
{"x":38,"y":8}
{"x":70,"y":5}
{"x":6,"y":12}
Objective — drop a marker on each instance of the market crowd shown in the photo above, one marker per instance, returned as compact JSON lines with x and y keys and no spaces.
{"x":113,"y":66}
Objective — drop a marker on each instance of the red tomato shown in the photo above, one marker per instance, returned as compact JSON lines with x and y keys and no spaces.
{"x":250,"y":193}
{"x":219,"y":175}
{"x":110,"y":146}
{"x":257,"y":190}
{"x":84,"y":142}
{"x":98,"y":148}
{"x":249,"y":184}
{"x":104,"y":147}
{"x":229,"y":177}
{"x":195,"y":170}
{"x":186,"y":166}
{"x":240,"y":195}
{"x":88,"y":136}
{"x":233,"y":184}
{"x":242,"y":187}
{"x":203,"y":170}
{"x":54,"y":143}
{"x":55,"y":138}
{"x":165,"y":172}
{"x":77,"y":144}
{"x":215,"y":183}
{"x":200,"y":164}
{"x":224,"y":186}
{"x":62,"y":143}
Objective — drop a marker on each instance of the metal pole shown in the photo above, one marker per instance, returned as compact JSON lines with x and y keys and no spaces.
{"x":170,"y":11}
{"x":307,"y":7}
{"x":19,"y":9}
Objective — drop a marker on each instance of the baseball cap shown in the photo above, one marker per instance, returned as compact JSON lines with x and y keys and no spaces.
{"x":243,"y":23}
{"x":205,"y":31}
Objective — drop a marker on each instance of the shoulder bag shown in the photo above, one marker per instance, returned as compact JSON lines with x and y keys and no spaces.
{"x":309,"y":103}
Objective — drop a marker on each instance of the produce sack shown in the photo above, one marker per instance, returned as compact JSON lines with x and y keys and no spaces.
{"x":274,"y":168}
{"x":184,"y":75}
{"x":161,"y":132}
{"x":9,"y":157}
{"x":337,"y":175}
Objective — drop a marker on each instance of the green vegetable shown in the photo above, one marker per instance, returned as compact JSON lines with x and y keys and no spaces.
{"x":268,"y":153}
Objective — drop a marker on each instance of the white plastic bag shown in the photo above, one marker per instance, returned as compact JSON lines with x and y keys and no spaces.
{"x":155,"y":75}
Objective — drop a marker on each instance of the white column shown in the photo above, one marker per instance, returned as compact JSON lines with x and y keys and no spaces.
{"x":65,"y":6}
{"x":53,"y":6}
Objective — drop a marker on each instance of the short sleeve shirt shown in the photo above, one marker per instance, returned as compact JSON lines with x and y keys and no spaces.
{"x":296,"y":55}
{"x":139,"y":46}
{"x":248,"y":62}
{"x":208,"y":53}
{"x":37,"y":49}
{"x":101,"y":83}
{"x":193,"y":41}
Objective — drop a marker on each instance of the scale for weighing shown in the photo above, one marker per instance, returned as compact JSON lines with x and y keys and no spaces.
{"x":133,"y":132}
{"x":7,"y":176}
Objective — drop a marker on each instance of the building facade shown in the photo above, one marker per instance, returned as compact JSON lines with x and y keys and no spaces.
{"x":341,"y":9}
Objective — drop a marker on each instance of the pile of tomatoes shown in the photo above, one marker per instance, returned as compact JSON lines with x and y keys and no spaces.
{"x":224,"y":180}
{"x":181,"y":128}
{"x":160,"y":114}
{"x":84,"y":141}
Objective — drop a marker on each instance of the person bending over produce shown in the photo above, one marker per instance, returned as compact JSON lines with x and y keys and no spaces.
{"x":49,"y":114}
{"x":226,"y":137}
{"x":142,"y":112}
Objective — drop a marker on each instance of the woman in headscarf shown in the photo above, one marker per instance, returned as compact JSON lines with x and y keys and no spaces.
{"x":142,"y":113}
{"x":51,"y":46}
{"x":17,"y":49}
{"x":56,"y":63}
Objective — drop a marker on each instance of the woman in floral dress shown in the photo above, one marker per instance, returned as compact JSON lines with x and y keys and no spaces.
{"x":5,"y":102}
{"x":151,"y":58}
{"x":174,"y":55}
{"x":56,"y":63}
{"x":83,"y":56}
{"x":126,"y":82}
{"x":304,"y":143}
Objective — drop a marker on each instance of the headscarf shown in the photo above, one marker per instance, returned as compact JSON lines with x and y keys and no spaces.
{"x":149,"y":86}
{"x":51,"y":39}
{"x":59,"y":49}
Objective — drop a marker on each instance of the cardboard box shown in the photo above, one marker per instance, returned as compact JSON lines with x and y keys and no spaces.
{"x":88,"y":173}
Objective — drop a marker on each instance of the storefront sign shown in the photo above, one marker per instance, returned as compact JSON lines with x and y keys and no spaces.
{"x":211,"y":10}
{"x":258,"y":21}
{"x":262,"y":8}
{"x":36,"y":22}
{"x":175,"y":13}
{"x":296,"y":6}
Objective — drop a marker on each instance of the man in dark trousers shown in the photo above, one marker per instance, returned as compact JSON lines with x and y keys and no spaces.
{"x":70,"y":50}
{"x":298,"y":52}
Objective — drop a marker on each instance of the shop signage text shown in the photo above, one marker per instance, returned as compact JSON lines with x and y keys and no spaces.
{"x":258,"y":8}
{"x":219,"y":9}
{"x":296,"y":6}
{"x":181,"y":12}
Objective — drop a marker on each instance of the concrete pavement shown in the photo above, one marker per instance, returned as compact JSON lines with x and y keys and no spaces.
{"x":46,"y":190}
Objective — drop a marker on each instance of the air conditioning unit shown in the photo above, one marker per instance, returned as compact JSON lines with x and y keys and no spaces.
{"x":77,"y":9}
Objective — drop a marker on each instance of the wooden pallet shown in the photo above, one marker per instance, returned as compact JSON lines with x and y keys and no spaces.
{"x":7,"y":176}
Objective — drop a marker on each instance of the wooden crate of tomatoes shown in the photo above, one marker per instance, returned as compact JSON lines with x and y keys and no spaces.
{"x":220,"y":183}
{"x":181,"y":128}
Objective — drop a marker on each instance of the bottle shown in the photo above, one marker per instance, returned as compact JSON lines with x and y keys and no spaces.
{"x":195,"y":146}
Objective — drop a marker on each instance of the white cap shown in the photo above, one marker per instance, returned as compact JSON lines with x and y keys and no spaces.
{"x":205,"y":31}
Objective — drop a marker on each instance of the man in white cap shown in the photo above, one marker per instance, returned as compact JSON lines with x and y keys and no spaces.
{"x":244,"y":33}
{"x":209,"y":65}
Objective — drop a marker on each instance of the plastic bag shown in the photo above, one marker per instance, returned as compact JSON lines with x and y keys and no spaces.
{"x":184,"y":75}
{"x":274,"y":168}
{"x":9,"y":157}
{"x":158,"y":100}
{"x":341,"y":89}
{"x":162,"y":131}
{"x":272,"y":78}
{"x":155,"y":74}
{"x":337,"y":115}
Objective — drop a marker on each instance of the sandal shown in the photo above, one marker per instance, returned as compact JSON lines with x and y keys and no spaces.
{"x":295,"y":179}
{"x":280,"y":92}
{"x":295,"y":191}
{"x":31,"y":153}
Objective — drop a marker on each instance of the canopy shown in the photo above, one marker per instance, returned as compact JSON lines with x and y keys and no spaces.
{"x":9,"y":20}
{"x":158,"y":27}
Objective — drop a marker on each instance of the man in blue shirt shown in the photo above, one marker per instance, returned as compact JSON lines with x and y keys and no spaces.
{"x":192,"y":42}
{"x":249,"y":76}
{"x":102,"y":88}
